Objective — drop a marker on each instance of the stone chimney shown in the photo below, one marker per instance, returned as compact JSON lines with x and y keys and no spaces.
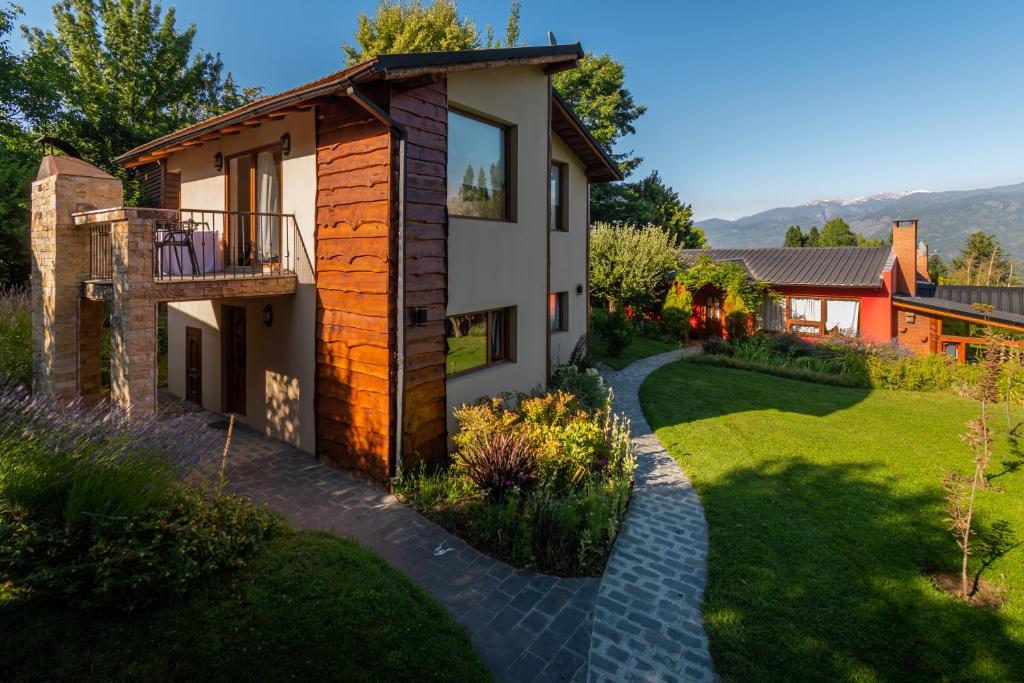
{"x":922,"y":262}
{"x":60,"y":262}
{"x":904,"y":248}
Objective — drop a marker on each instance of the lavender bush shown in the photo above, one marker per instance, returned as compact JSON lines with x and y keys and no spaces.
{"x":79,"y":465}
{"x":15,"y":336}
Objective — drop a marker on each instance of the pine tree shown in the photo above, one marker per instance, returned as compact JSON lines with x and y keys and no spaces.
{"x":794,"y":237}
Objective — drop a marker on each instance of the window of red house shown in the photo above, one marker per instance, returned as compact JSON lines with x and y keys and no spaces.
{"x":818,"y":316}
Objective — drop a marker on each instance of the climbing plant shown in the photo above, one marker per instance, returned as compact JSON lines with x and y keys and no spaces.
{"x":743,"y":295}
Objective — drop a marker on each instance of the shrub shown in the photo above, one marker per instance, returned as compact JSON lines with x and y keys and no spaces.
{"x":614,"y":331}
{"x":630,"y":266}
{"x":716,"y":346}
{"x":15,"y":336}
{"x":586,"y":385}
{"x":80,"y":466}
{"x":499,"y":463}
{"x":129,"y":563}
{"x":677,"y":310}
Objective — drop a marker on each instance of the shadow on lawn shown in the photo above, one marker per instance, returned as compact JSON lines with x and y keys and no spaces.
{"x":817,"y":572}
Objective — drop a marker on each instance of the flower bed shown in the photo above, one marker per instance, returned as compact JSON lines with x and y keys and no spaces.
{"x":541,"y":482}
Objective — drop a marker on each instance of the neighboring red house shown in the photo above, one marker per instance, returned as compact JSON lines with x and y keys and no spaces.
{"x":876,"y":293}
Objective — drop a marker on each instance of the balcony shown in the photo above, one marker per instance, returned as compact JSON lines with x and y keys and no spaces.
{"x":190,"y":254}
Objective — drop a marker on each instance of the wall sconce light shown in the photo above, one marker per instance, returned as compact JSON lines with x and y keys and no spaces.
{"x":579,"y":290}
{"x":218,"y":161}
{"x":419,"y":316}
{"x":268,"y":315}
{"x":286,"y":144}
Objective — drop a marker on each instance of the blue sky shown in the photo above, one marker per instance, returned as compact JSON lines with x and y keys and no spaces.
{"x":751,"y":105}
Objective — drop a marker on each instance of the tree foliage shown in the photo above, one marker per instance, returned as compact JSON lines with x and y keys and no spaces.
{"x":650,"y":202}
{"x":938,"y":271}
{"x":116,"y":73}
{"x":982,"y":261}
{"x":630,"y":266}
{"x":835,"y":233}
{"x":410,"y":26}
{"x":743,"y":294}
{"x":677,"y":309}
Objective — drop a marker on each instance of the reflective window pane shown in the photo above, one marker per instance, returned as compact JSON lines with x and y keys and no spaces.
{"x":477,"y":168}
{"x":467,"y":342}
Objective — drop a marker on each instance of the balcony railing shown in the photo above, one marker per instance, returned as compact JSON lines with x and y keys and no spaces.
{"x":101,"y":256}
{"x":209,"y":244}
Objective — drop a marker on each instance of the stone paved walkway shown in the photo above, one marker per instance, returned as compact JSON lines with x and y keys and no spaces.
{"x":647,"y":623}
{"x":525,"y":626}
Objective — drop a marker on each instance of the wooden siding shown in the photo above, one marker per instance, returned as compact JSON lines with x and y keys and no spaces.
{"x":423,"y":111}
{"x":161,"y":188}
{"x":354,"y":275}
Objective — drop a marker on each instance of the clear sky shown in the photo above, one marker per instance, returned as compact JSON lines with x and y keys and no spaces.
{"x":751,"y":105}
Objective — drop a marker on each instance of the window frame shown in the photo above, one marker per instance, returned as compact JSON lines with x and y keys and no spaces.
{"x":562,"y":299}
{"x":559,"y":222}
{"x":820,"y":324}
{"x":509,"y":212}
{"x":507,"y":334}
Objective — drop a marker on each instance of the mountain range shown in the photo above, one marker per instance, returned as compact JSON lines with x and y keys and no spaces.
{"x":945,"y":218}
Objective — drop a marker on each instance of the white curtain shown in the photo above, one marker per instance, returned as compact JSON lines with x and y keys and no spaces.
{"x":842,"y":317}
{"x":805,"y":309}
{"x":773,"y":316}
{"x":268,"y":200}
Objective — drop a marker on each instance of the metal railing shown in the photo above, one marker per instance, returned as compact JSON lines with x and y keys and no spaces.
{"x":101,"y":254}
{"x":200,"y":244}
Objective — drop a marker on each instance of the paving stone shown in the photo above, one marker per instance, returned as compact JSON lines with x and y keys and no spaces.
{"x":497,"y":604}
{"x":647,"y":622}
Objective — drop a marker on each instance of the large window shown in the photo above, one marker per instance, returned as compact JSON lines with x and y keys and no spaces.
{"x":817,"y":316}
{"x":476,"y":340}
{"x":558,"y":305}
{"x":557,"y":216}
{"x":478,"y":168}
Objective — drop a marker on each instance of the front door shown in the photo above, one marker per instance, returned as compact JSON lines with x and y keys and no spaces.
{"x":194,"y":365}
{"x":253,"y":230}
{"x":712,"y":317}
{"x":234,"y":359}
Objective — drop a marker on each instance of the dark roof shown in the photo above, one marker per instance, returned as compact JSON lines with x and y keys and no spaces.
{"x":554,"y":58}
{"x":812,"y":266}
{"x":568,"y":126}
{"x":1007,"y":302}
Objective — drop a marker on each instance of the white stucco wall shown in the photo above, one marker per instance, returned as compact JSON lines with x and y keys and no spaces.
{"x":495,"y":264}
{"x":280,"y":362}
{"x":569,"y":253}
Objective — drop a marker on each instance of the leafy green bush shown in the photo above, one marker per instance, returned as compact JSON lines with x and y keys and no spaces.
{"x":787,"y":371}
{"x":566,"y":521}
{"x":677,"y":310}
{"x":127,"y":563}
{"x":630,"y":266}
{"x":15,"y":336}
{"x":586,"y":385}
{"x":614,"y":331}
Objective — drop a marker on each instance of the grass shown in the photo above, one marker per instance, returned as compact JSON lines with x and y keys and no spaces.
{"x":640,"y":347}
{"x":309,"y":606}
{"x":824,"y":509}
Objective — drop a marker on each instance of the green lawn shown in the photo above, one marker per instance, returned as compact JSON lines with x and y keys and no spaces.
{"x":824,"y":512}
{"x":640,"y":347}
{"x":309,"y":607}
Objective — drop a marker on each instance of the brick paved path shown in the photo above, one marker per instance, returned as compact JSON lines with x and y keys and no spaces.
{"x":647,"y":623}
{"x":525,"y":626}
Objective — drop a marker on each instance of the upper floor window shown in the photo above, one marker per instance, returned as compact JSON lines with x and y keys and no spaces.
{"x":478,"y":168}
{"x":557,"y":218}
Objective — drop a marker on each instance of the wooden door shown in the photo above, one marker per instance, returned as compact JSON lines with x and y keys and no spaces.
{"x":194,"y":365}
{"x":234,"y":359}
{"x":712,"y":318}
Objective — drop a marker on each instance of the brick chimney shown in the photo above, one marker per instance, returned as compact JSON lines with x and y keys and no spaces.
{"x":904,"y":248}
{"x":922,"y":262}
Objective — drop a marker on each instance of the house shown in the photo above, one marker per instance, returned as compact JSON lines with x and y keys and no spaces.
{"x":343,"y":263}
{"x":879,"y":294}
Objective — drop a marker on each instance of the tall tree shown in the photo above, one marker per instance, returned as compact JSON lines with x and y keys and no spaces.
{"x":650,"y":202}
{"x":937,"y":269}
{"x":813,"y":237}
{"x":982,"y":261}
{"x":794,"y":237}
{"x":411,"y":26}
{"x":837,"y":233}
{"x":115,"y":73}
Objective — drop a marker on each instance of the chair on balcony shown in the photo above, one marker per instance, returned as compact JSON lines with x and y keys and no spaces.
{"x":177,"y":235}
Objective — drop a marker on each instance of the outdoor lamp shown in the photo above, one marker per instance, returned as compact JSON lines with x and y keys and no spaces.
{"x":268,"y":315}
{"x":218,"y":161}
{"x":286,"y":144}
